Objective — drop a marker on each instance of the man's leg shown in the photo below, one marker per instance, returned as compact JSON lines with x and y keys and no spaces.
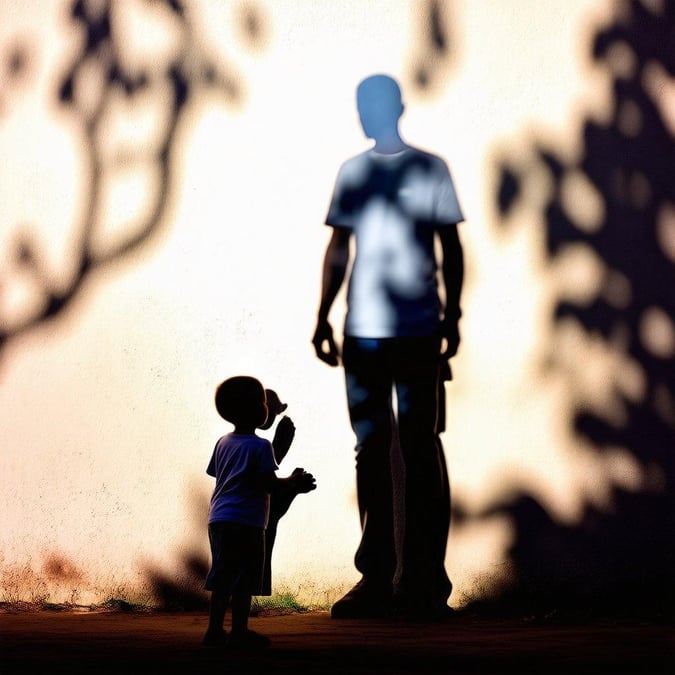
{"x":444,"y":584}
{"x":424,"y":586}
{"x":369,"y":388}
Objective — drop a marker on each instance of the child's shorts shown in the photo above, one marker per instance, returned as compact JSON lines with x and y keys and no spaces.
{"x":237,"y":558}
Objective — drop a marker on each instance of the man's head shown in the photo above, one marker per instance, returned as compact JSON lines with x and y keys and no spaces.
{"x":241,"y":401}
{"x":378,"y":99}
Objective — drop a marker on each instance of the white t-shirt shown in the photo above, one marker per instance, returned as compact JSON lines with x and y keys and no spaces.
{"x":393,"y":204}
{"x":237,"y":460}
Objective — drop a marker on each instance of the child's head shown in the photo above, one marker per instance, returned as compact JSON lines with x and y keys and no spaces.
{"x":241,"y":401}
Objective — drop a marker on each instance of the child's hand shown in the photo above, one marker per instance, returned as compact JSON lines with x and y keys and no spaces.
{"x":303,"y":481}
{"x":283,"y":437}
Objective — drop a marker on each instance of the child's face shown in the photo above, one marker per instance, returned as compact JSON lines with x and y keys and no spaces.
{"x":260,"y":411}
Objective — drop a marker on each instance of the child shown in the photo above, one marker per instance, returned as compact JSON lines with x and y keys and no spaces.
{"x":244,"y":467}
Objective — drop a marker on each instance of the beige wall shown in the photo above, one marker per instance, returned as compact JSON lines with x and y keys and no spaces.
{"x":107,"y":421}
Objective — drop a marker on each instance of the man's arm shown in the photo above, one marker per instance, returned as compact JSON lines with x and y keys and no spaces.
{"x":335,"y":264}
{"x":453,"y":277}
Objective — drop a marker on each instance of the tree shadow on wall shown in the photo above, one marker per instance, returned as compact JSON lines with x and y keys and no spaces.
{"x":182,"y":586}
{"x":113,"y":85}
{"x":617,"y":202}
{"x":434,"y":48}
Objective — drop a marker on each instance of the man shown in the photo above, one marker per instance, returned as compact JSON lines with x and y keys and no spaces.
{"x":394,"y":201}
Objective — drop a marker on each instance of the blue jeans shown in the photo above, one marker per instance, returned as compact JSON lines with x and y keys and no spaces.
{"x":375,"y":371}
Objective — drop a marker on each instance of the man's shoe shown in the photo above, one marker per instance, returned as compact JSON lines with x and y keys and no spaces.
{"x":362,"y":602}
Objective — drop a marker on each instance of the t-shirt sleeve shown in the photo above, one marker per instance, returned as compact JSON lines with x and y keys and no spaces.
{"x":447,"y":210}
{"x":341,"y":209}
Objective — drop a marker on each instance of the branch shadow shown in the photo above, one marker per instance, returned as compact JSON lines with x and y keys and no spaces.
{"x":616,"y":562}
{"x":104,"y":86}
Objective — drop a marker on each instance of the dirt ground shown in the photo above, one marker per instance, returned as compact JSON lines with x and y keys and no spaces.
{"x":140,"y":642}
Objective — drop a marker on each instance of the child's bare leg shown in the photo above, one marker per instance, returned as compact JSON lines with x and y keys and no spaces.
{"x":241,"y":608}
{"x":241,"y":637}
{"x":217,"y":611}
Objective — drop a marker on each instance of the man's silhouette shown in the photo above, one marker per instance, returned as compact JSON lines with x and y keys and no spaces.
{"x":394,"y":201}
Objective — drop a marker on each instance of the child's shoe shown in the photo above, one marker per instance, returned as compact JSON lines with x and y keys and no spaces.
{"x":248,"y":640}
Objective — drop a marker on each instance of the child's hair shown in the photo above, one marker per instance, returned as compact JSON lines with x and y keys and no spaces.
{"x":240,"y":398}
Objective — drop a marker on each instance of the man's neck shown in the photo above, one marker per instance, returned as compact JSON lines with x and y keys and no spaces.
{"x":390,"y":144}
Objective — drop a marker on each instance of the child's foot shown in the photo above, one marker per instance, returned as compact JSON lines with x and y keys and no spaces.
{"x":216,"y":638}
{"x":248,"y":640}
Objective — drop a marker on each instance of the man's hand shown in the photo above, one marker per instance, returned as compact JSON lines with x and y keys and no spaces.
{"x":324,"y":344}
{"x":283,"y":437}
{"x":449,"y":331}
{"x":453,"y":276}
{"x":303,"y":481}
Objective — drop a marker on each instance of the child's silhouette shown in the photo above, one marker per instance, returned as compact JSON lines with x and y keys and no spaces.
{"x":280,"y":502}
{"x":244,"y":467}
